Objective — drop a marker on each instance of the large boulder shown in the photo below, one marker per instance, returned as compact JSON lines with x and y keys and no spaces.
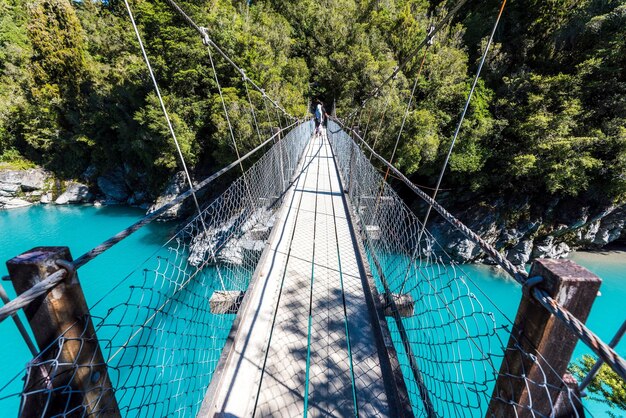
{"x":113,"y":185}
{"x":13,"y":203}
{"x":10,"y":181}
{"x":520,"y":253}
{"x":549,"y":248}
{"x":19,"y":188}
{"x":34,"y":179}
{"x":74,"y":193}
{"x":176,"y":186}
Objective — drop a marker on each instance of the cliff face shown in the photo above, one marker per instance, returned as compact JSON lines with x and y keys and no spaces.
{"x":522,"y":237}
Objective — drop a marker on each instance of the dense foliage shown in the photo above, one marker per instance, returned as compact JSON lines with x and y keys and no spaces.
{"x":548,"y":117}
{"x":607,"y":384}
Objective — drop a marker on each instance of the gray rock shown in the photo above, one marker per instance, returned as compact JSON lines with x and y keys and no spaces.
{"x":175,"y":186}
{"x":520,"y":254}
{"x":113,"y":185}
{"x":34,"y":179}
{"x":548,"y":248}
{"x":137,"y":198}
{"x":9,"y":189}
{"x":465,"y":250}
{"x":562,"y":250}
{"x":543,"y":248}
{"x":74,"y":193}
{"x":46,"y":198}
{"x":9,"y":179}
{"x":13,"y":203}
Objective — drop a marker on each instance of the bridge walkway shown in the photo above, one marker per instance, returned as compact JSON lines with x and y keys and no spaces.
{"x":303,"y":342}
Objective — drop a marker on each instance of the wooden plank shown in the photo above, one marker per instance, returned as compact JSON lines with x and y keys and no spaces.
{"x":235,"y":392}
{"x":368,"y":378}
{"x":282,"y":388}
{"x":330,"y":378}
{"x":306,"y":272}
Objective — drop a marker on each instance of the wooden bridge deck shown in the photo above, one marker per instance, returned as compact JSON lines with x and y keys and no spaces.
{"x":304,"y":343}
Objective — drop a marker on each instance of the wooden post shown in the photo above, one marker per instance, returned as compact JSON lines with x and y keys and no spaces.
{"x":526,"y":381}
{"x":72,"y":374}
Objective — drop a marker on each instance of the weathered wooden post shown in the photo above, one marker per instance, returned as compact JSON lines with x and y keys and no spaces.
{"x":540,"y":345}
{"x":72,"y":374}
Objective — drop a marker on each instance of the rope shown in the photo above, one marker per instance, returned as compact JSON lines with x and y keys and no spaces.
{"x":38,"y":290}
{"x":90,"y":255}
{"x":230,"y":127}
{"x":596,"y":367}
{"x":19,"y":324}
{"x":406,"y":114}
{"x":599,"y":347}
{"x":467,"y":103}
{"x":456,"y":133}
{"x":382,"y":119}
{"x":256,"y":124}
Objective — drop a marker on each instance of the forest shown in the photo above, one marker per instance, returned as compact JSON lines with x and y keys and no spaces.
{"x":547,"y":122}
{"x":548,"y":118}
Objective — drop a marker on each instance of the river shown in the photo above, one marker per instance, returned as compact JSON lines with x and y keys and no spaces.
{"x":83,"y":227}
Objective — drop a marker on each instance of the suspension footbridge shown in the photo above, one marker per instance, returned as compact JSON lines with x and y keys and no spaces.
{"x":305,"y":339}
{"x":307,"y":287}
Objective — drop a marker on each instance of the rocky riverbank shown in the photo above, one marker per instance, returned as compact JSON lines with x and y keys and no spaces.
{"x":512,"y":229}
{"x":523,"y":237}
{"x":20,"y":188}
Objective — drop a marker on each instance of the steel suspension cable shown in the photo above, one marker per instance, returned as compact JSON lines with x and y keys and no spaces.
{"x":256,"y":125}
{"x":171,"y":129}
{"x":599,"y":347}
{"x":208,"y":41}
{"x":467,"y":103}
{"x":267,"y":113}
{"x":454,"y":138}
{"x":416,"y":50}
{"x":406,"y":113}
{"x":382,"y":118}
{"x":230,"y":127}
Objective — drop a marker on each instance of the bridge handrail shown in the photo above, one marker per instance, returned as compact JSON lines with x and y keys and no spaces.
{"x":26,"y":298}
{"x":595,"y":343}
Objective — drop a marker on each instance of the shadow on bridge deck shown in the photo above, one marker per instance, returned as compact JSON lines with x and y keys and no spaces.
{"x":303,"y":341}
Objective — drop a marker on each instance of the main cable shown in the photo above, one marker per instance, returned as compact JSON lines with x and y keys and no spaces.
{"x":414,"y":52}
{"x":171,"y":129}
{"x":456,"y":134}
{"x":208,"y":41}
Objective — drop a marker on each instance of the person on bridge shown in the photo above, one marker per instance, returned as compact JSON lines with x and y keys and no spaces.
{"x":320,"y":116}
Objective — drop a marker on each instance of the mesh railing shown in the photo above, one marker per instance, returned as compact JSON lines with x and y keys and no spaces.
{"x":162,"y":338}
{"x":450,"y":345}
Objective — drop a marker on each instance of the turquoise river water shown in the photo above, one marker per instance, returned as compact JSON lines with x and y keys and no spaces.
{"x":83,"y":227}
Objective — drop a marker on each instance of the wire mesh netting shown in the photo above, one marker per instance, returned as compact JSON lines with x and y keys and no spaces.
{"x":162,"y":337}
{"x":450,"y":339}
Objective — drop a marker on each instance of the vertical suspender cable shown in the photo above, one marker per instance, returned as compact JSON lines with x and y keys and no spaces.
{"x":171,"y":129}
{"x":406,"y":114}
{"x":256,"y":125}
{"x":230,"y":127}
{"x":456,"y":134}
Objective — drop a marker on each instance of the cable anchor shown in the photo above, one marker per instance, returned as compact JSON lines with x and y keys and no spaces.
{"x":430,"y":37}
{"x":205,"y":36}
{"x":529,"y":284}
